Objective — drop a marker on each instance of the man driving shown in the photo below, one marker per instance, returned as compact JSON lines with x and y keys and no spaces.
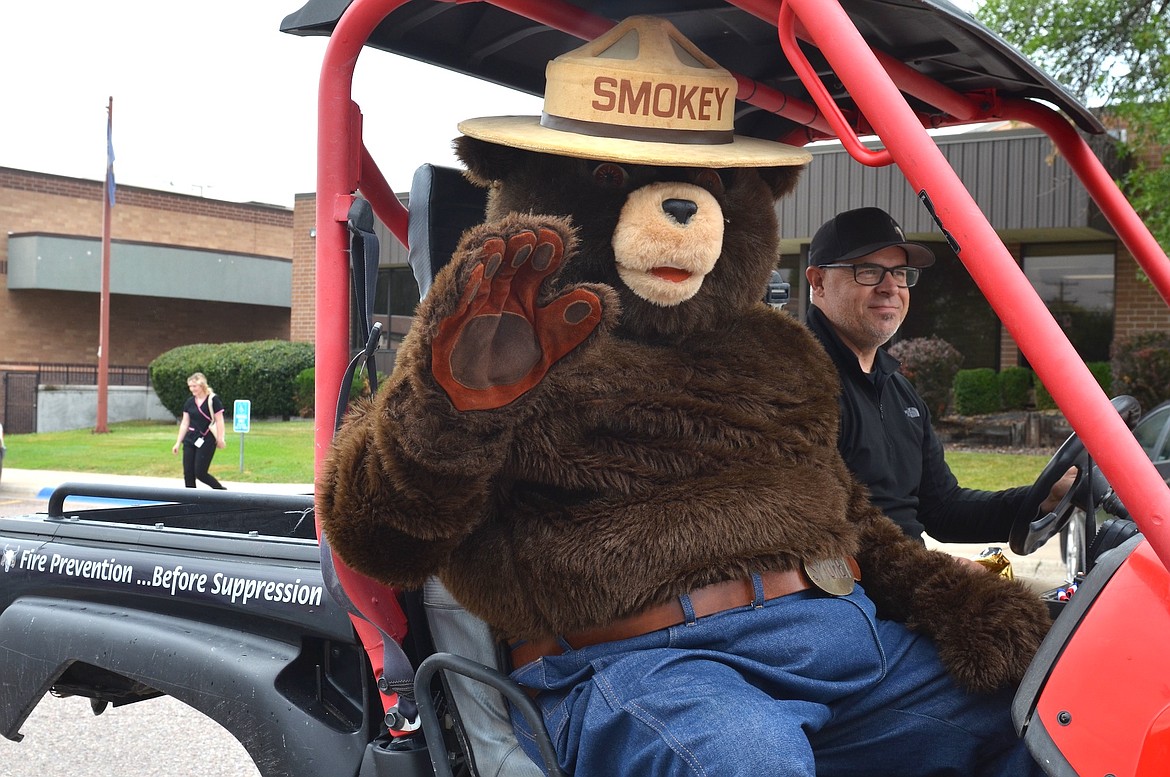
{"x":860,"y":271}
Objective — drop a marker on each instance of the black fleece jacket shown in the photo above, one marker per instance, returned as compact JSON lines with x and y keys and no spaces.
{"x":889,"y":444}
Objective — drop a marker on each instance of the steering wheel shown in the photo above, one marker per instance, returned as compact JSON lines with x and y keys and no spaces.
{"x":1029,"y":531}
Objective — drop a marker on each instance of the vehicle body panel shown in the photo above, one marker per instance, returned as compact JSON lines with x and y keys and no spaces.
{"x":1153,"y":434}
{"x":121,"y":604}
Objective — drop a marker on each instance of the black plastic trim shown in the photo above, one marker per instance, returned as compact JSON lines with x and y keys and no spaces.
{"x":449,"y":662}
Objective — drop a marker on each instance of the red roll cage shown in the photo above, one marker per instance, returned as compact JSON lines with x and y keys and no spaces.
{"x":892,"y":84}
{"x":879,"y":84}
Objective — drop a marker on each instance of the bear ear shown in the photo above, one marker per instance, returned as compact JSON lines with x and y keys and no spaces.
{"x":781,"y":180}
{"x":486,"y":162}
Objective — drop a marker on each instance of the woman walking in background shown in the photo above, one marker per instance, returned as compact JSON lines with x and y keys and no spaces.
{"x":200,"y":432}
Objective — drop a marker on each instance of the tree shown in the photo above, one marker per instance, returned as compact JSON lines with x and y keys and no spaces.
{"x":1113,"y":53}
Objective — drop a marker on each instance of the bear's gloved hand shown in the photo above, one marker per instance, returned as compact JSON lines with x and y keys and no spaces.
{"x":499,"y":343}
{"x":987,"y":629}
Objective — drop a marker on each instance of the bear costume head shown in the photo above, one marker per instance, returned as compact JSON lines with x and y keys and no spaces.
{"x":595,"y":412}
{"x":627,"y":218}
{"x":637,"y":146}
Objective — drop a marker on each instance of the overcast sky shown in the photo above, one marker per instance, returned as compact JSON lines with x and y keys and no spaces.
{"x":209,"y":97}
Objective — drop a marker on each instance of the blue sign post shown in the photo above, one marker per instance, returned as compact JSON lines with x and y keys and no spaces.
{"x":242,"y":423}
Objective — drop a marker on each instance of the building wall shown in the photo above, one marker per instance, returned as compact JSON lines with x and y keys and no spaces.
{"x":304,"y":271}
{"x":1012,"y":175}
{"x":60,"y":408}
{"x":1138,"y":307}
{"x":62,"y":327}
{"x":1028,"y":191}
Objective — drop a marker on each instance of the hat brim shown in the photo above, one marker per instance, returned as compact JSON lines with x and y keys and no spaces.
{"x":526,"y":132}
{"x":917,"y":254}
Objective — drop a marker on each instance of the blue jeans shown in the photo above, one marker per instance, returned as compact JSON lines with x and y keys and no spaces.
{"x":806,"y":684}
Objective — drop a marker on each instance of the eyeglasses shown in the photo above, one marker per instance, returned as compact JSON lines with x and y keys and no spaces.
{"x":873,"y":274}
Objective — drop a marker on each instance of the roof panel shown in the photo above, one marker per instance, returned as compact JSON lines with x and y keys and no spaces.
{"x":933,"y":37}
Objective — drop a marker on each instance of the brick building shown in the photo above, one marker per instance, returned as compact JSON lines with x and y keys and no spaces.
{"x":183,"y":269}
{"x":1033,"y":200}
{"x":187,"y":269}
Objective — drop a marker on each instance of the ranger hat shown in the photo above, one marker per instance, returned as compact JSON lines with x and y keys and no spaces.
{"x":856,"y":233}
{"x":643,"y":94}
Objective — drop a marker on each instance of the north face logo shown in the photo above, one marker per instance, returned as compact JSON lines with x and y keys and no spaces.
{"x":911,"y":412}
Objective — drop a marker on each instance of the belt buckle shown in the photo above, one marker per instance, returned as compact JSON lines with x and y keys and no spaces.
{"x":831,"y":575}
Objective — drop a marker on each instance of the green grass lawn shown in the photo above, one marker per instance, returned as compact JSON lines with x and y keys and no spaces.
{"x":274,"y":451}
{"x":282,"y":452}
{"x":995,"y":471}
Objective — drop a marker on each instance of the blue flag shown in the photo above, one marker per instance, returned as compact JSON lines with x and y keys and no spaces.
{"x":110,"y":154}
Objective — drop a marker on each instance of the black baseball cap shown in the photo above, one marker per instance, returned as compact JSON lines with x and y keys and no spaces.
{"x":855,"y":233}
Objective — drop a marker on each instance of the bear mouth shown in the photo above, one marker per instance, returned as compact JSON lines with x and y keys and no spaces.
{"x":671,"y":274}
{"x":661,"y":285}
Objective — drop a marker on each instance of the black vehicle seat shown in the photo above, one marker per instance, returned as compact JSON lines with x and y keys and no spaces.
{"x":443,"y":204}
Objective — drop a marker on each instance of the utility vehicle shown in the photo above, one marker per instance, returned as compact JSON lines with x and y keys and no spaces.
{"x":227,"y":602}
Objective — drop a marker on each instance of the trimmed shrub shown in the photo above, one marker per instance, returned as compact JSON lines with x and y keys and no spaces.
{"x":1101,"y":371}
{"x":1141,"y":368}
{"x":1044,"y":400}
{"x":305,"y":395}
{"x":976,"y":391}
{"x":1015,"y":388}
{"x":930,"y":363}
{"x":263,"y":372}
{"x":306,"y":388}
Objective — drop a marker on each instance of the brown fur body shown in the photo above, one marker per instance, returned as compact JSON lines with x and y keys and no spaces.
{"x":674,"y":447}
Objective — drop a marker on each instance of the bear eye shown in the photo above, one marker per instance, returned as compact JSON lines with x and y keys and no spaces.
{"x":710,"y":180}
{"x":610,"y":176}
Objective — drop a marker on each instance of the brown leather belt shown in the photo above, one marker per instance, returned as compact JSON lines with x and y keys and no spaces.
{"x":708,"y":600}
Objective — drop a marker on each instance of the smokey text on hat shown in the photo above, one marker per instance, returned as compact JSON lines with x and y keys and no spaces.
{"x":666,"y":100}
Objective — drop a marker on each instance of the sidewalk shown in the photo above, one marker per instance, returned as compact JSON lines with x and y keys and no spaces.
{"x":39,"y":483}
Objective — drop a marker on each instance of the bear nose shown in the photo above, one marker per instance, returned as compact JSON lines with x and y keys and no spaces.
{"x":680,"y":210}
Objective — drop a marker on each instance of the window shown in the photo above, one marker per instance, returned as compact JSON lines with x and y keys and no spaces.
{"x":1076,"y":283}
{"x":1153,"y":434}
{"x":397,"y":292}
{"x":946,"y":303}
{"x":791,"y":269}
{"x":395,"y":298}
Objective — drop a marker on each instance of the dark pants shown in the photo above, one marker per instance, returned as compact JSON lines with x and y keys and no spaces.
{"x":196,"y":461}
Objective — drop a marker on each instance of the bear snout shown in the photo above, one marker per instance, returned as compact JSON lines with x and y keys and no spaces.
{"x":668,"y":237}
{"x":680,"y":210}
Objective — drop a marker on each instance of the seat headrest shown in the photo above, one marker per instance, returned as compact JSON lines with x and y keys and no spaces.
{"x":443,"y":204}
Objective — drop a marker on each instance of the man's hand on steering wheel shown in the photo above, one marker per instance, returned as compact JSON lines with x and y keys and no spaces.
{"x":1059,"y":489}
{"x":1068,"y":482}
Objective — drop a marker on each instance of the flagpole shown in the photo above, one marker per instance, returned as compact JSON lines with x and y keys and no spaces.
{"x":103,"y":372}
